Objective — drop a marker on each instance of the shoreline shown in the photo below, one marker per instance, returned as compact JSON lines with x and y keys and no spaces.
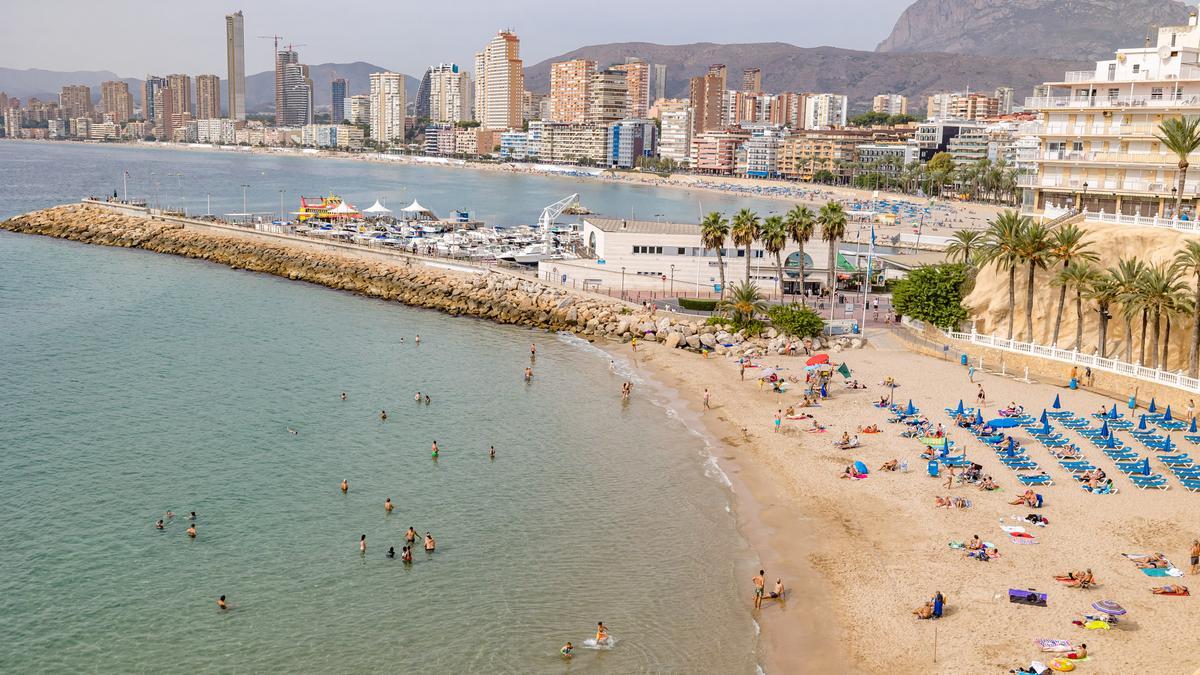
{"x":953,"y":213}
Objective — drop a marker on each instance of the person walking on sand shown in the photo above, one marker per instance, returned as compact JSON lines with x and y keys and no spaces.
{"x":971,"y":374}
{"x":742,"y":370}
{"x":949,"y":477}
{"x":778,"y":420}
{"x":981,"y":397}
{"x":1195,"y":561}
{"x":760,"y":585}
{"x":707,"y":399}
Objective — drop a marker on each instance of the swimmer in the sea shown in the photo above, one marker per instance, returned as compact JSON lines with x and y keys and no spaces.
{"x":601,"y":632}
{"x":410,"y":537}
{"x":382,"y":415}
{"x":221,"y":603}
{"x":492,"y":452}
{"x":159,"y":524}
{"x":418,"y":340}
{"x":343,"y":396}
{"x":406,"y":555}
{"x":293,"y":431}
{"x":191,"y":531}
{"x":170,"y":514}
{"x":417,"y":397}
{"x":426,"y":399}
{"x":391,"y":552}
{"x":387,"y":505}
{"x":430,"y":546}
{"x":528,"y":374}
{"x":435,"y":450}
{"x":192,"y":516}
{"x":566,"y":650}
{"x":345,"y":485}
{"x":362,"y":544}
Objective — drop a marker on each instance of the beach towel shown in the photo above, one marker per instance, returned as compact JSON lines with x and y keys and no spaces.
{"x":1049,"y":645}
{"x":1162,"y":572}
{"x":1179,"y":593}
{"x":1097,"y":625}
{"x":1022,"y":538}
{"x":1012,"y":529}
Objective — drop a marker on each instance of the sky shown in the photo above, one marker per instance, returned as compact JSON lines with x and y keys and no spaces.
{"x":132,"y":38}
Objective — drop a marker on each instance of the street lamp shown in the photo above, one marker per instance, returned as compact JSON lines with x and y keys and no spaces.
{"x":281,"y":218}
{"x":672,"y":280}
{"x":209,"y":196}
{"x":244,"y":187}
{"x":1083,"y":204}
{"x":622,"y":282}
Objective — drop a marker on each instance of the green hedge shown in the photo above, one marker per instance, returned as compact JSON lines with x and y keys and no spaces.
{"x":698,"y":304}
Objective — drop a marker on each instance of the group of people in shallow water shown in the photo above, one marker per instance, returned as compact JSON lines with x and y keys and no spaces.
{"x":169,"y":516}
{"x":410,"y":537}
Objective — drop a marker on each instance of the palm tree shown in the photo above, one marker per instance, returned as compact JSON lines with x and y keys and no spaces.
{"x":774,"y":240}
{"x":1180,"y":135}
{"x":1033,"y":251}
{"x":1159,"y":290}
{"x":743,"y":304}
{"x":1178,"y":303}
{"x":1104,"y":291}
{"x":1003,"y":239}
{"x":1125,"y":279}
{"x":1080,"y":276}
{"x":964,"y":246}
{"x":1067,"y":245}
{"x":799,"y":224}
{"x":744,"y":233}
{"x":714,"y":230}
{"x":1188,"y":260}
{"x":832,"y":219}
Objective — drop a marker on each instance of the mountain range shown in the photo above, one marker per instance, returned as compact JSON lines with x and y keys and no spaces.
{"x":260,"y":87}
{"x":1056,"y":29}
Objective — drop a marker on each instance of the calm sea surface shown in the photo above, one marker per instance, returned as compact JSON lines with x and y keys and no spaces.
{"x":134,"y":383}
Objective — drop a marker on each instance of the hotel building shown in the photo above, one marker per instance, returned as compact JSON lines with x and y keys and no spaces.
{"x":208,"y":97}
{"x":450,"y":92}
{"x":890,"y":104}
{"x":637,"y":82}
{"x":571,"y":90}
{"x":235,"y":56}
{"x":500,"y":83}
{"x":75,"y":100}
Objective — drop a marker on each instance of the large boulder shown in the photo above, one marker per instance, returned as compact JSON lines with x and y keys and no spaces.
{"x":663,"y":324}
{"x":693,"y":341}
{"x":708,"y":340}
{"x":673,"y":339}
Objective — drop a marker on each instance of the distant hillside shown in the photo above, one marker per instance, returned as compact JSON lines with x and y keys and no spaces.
{"x":260,"y":87}
{"x":787,"y":67}
{"x":1057,"y":29}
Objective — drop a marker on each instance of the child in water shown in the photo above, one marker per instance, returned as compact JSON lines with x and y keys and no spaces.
{"x":566,"y":650}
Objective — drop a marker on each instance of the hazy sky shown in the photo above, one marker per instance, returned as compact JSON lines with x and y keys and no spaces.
{"x":132,"y":38}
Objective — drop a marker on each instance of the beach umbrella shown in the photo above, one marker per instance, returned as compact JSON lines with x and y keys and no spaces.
{"x":1192,"y":429}
{"x":1153,"y":407}
{"x":1142,"y":423}
{"x":1113,"y":414}
{"x":1167,"y":415}
{"x":819,"y":358}
{"x":1003,"y":423}
{"x":1104,"y":432}
{"x":1166,"y":444}
{"x":1046,"y":428}
{"x":1144,"y":467}
{"x":1044,"y":419}
{"x":911,"y":409}
{"x":959,"y":409}
{"x":979,"y":417}
{"x":1057,"y":404}
{"x":1109,"y":607}
{"x":1111,"y":441}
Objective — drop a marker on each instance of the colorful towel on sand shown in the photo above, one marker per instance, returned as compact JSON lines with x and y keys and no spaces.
{"x":1021,"y":540}
{"x":1049,"y":645}
{"x":1163,"y":572}
{"x":1012,"y":529}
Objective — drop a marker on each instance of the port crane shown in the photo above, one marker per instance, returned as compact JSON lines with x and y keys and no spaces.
{"x":546,"y":221}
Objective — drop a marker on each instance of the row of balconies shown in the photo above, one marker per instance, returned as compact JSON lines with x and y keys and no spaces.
{"x":1097,"y":186}
{"x":1101,"y":102}
{"x":1113,"y":157}
{"x":1051,"y":129}
{"x":1186,"y":72}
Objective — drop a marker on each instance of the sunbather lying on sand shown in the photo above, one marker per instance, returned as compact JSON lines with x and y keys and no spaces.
{"x":988,"y":484}
{"x":816,"y":427}
{"x":872,"y":429}
{"x":1170,"y":589}
{"x":889,"y":382}
{"x":1029,"y":498}
{"x":925,"y":611}
{"x":1077,"y":579}
{"x":890,"y":465}
{"x":1153,"y":562}
{"x":851,"y":473}
{"x":883,"y":402}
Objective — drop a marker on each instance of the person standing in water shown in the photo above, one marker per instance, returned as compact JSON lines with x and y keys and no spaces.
{"x":343,"y":396}
{"x":601,"y":633}
{"x":435,"y":450}
{"x":159,"y":525}
{"x":221,"y":604}
{"x":410,"y":537}
{"x":391,"y":552}
{"x":418,"y":340}
{"x":528,"y":374}
{"x":191,"y":531}
{"x":387,"y":505}
{"x":491,"y":452}
{"x":426,"y":399}
{"x":406,"y":555}
{"x":345,"y":486}
{"x":532,"y":351}
{"x":362,"y":544}
{"x":382,"y":415}
{"x":760,"y":584}
{"x":566,"y":650}
{"x":417,"y":397}
{"x":430,"y":545}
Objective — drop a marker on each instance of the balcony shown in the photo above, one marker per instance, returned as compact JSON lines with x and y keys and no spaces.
{"x":1080,"y":76}
{"x":1109,"y":157}
{"x":1146,"y":130}
{"x":1109,"y":102}
{"x":1106,"y":186}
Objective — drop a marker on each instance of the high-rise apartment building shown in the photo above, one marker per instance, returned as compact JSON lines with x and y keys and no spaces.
{"x":181,"y":92}
{"x":961,"y":106}
{"x":450,"y":93}
{"x":297,"y":96}
{"x":637,"y":81}
{"x":571,"y":90}
{"x":658,"y":85}
{"x":610,"y":97}
{"x":675,"y":140}
{"x":823,"y":111}
{"x":75,"y":100}
{"x":283,"y":58}
{"x":787,"y":110}
{"x":116,"y":100}
{"x":386,"y":114}
{"x":500,"y":83}
{"x":890,"y":104}
{"x":719,"y":70}
{"x":150,"y":87}
{"x":707,"y":93}
{"x":337,"y":92}
{"x":235,"y":57}
{"x":421,"y":105}
{"x":1004,"y":100}
{"x":208,"y":97}
{"x":752,"y":80}
{"x":358,"y":109}
{"x":165,"y":117}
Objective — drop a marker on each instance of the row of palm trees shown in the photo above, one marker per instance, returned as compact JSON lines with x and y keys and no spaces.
{"x":774,"y":232}
{"x":1139,"y":292}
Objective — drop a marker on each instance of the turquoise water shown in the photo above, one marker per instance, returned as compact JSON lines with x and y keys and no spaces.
{"x":135,"y":383}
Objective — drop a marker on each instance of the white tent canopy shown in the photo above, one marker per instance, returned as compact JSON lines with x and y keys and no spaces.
{"x":415,"y":207}
{"x":343,"y":208}
{"x":377,"y":208}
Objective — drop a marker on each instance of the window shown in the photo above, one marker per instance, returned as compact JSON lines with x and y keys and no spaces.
{"x":1077,"y":146}
{"x":1114,"y":93}
{"x":681,"y":251}
{"x":1137,"y":68}
{"x":1156,"y":94}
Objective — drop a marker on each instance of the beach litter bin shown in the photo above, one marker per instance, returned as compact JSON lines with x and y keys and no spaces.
{"x":1074,"y":383}
{"x":963,"y":359}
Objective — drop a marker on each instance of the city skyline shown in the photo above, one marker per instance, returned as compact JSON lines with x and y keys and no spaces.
{"x":855,"y":24}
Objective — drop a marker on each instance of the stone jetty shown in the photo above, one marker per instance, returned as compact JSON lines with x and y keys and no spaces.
{"x":493,"y":295}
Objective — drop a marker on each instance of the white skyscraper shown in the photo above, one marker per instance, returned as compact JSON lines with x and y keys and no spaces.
{"x":387,"y":107}
{"x":450,"y":94}
{"x":235,"y":54}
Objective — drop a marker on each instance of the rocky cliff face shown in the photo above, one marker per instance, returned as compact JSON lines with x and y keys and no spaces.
{"x":494,"y":296}
{"x":1057,"y":29}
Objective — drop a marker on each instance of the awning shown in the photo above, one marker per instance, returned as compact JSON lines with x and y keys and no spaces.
{"x":377,"y":208}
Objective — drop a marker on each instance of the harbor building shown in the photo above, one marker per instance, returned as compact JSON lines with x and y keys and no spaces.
{"x":1098,"y":149}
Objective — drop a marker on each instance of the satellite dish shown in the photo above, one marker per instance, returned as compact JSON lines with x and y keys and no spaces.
{"x":1164,"y":52}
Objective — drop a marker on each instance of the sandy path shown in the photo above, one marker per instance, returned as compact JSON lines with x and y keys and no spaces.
{"x":877,"y":548}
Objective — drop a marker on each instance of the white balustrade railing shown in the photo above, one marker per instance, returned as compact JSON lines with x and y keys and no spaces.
{"x":1172,"y":379}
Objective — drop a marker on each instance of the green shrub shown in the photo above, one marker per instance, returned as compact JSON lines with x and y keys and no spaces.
{"x":933,"y":293}
{"x":698,"y":304}
{"x":796,"y":320}
{"x":716,"y":320}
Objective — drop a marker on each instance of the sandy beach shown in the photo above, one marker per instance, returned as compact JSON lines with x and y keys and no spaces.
{"x":868,"y":552}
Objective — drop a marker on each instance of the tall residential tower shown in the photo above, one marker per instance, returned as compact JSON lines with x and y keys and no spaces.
{"x":235,"y":56}
{"x":500,"y":83}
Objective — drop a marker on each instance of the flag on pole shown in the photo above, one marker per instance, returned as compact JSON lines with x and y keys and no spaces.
{"x":844,"y":371}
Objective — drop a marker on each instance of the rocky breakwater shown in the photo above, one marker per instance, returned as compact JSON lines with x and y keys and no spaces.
{"x":495,"y":296}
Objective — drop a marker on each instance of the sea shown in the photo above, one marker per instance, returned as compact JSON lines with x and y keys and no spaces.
{"x":134,"y":384}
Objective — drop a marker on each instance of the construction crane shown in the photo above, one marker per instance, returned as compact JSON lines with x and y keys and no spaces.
{"x":276,"y":38}
{"x":546,"y":221}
